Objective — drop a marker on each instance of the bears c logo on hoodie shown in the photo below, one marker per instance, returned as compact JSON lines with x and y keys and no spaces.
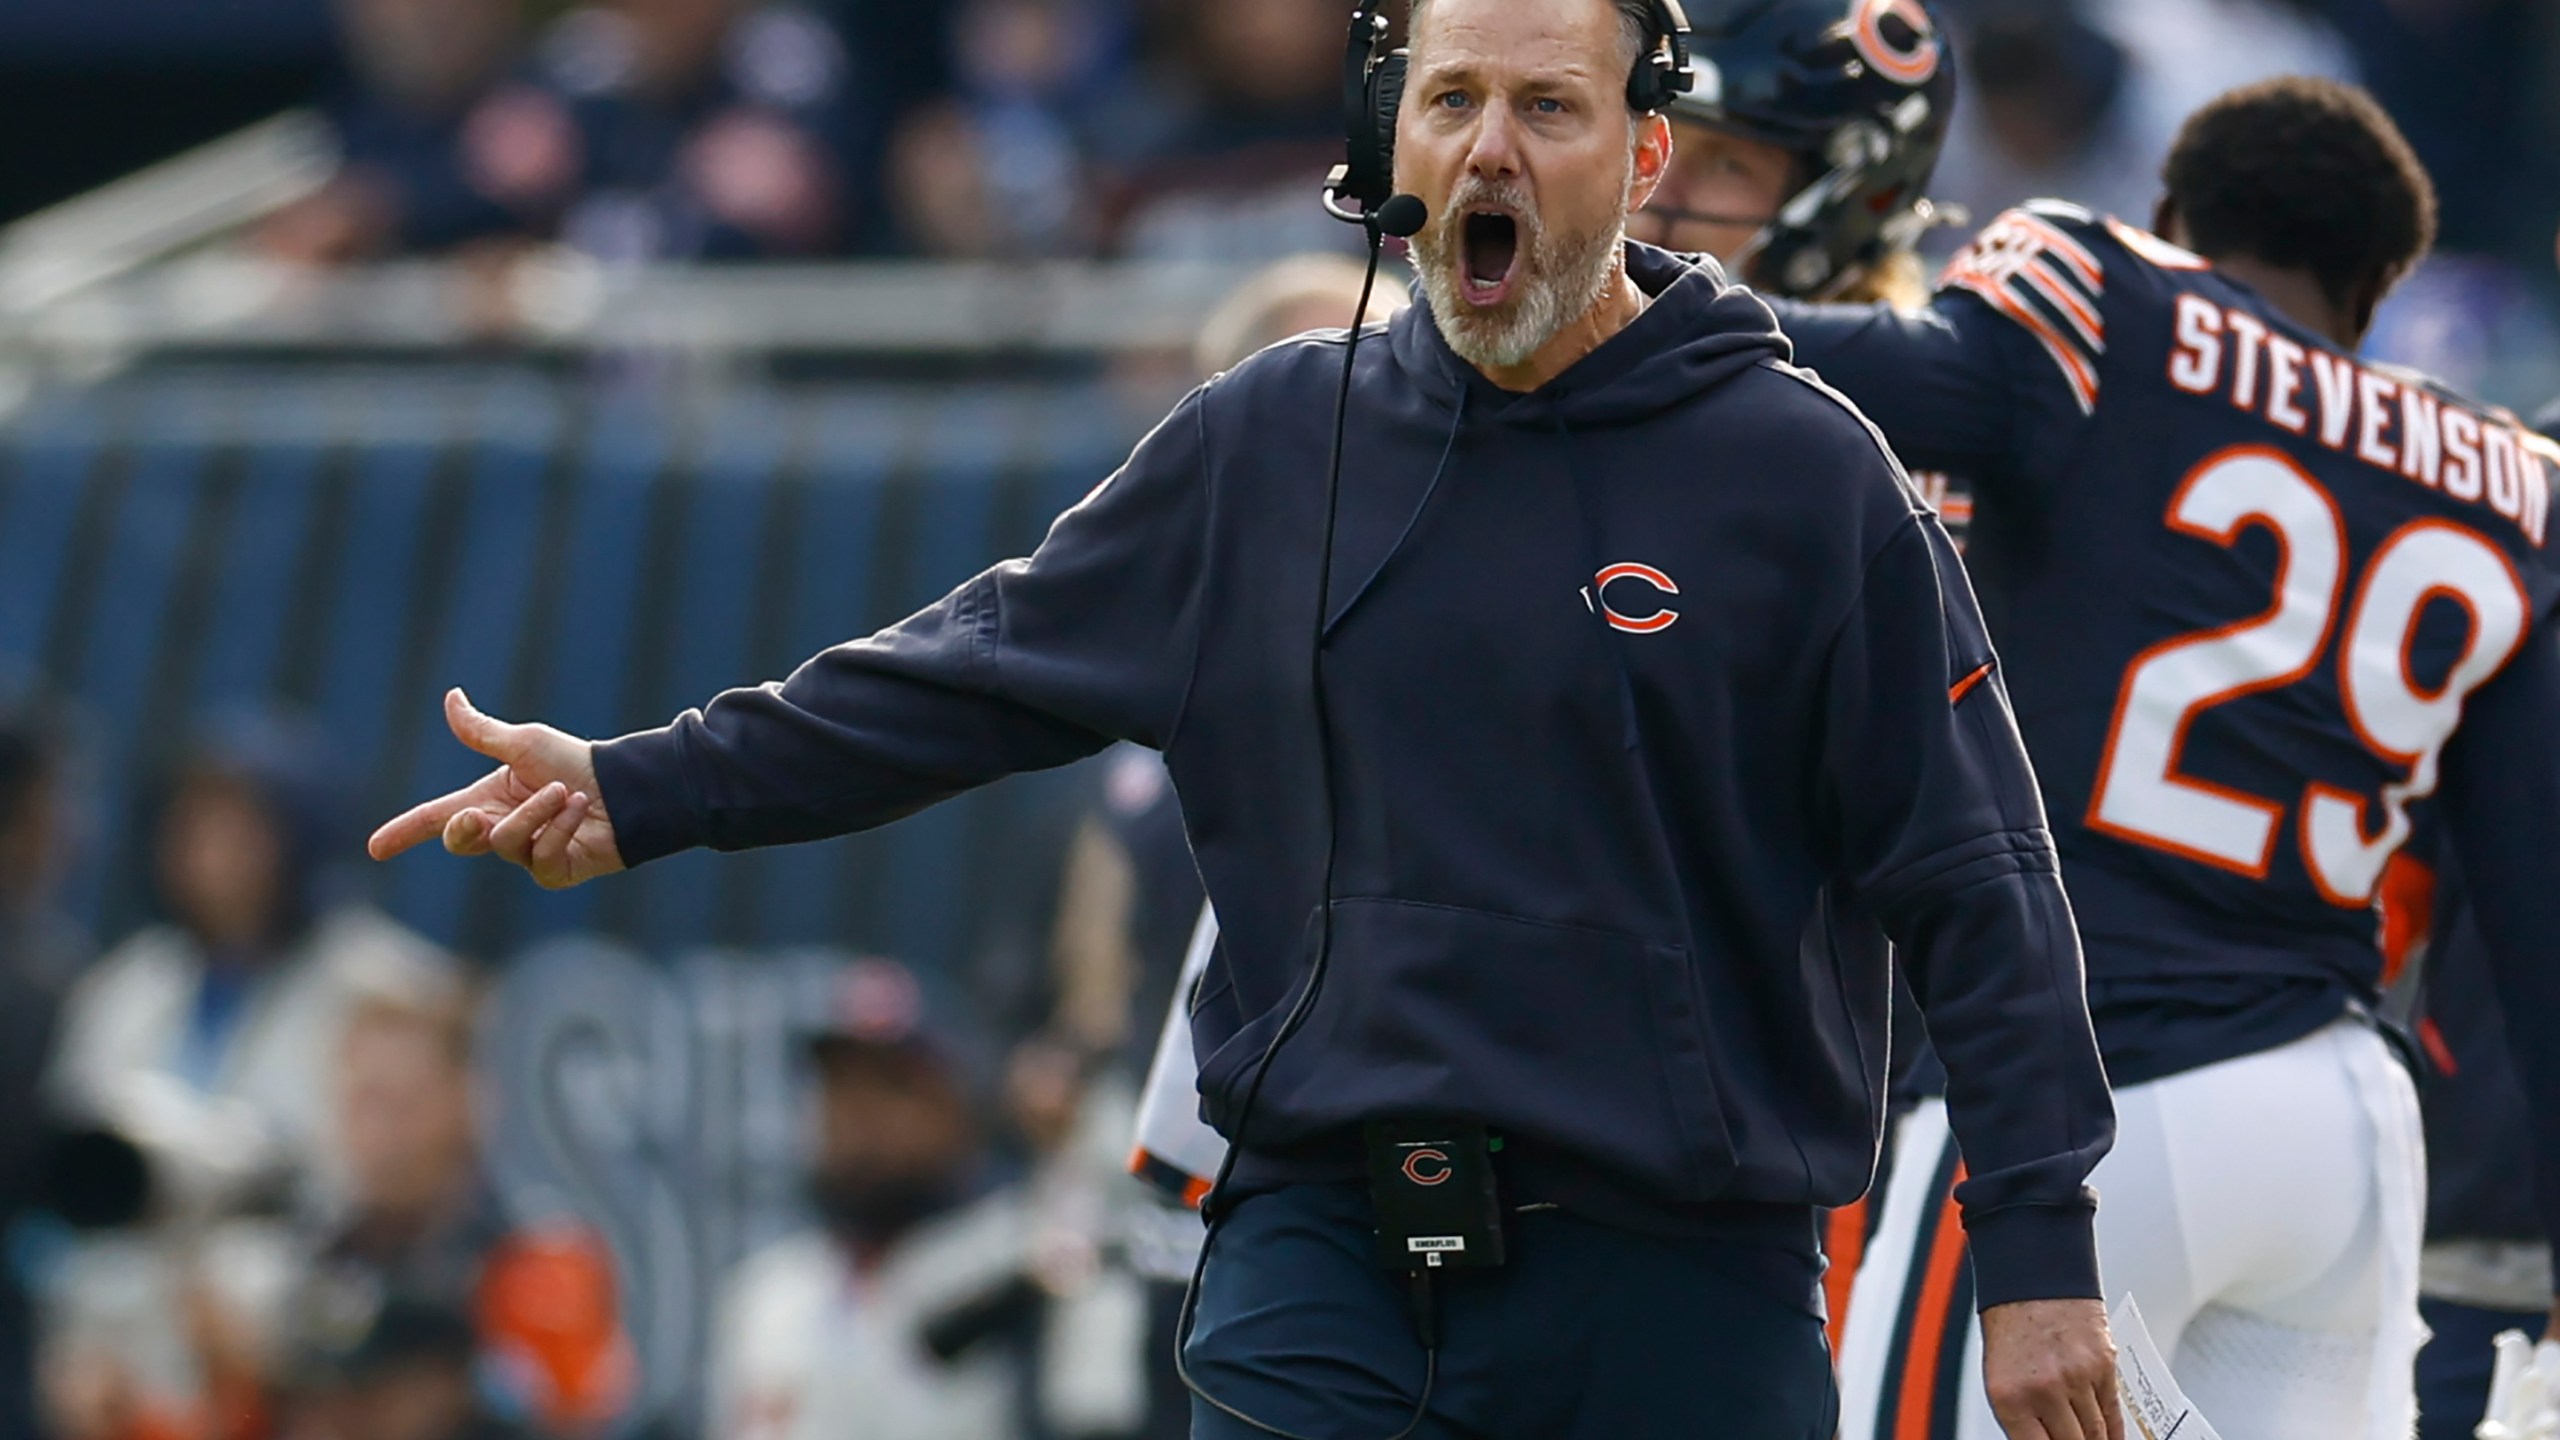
{"x":1659,"y":617}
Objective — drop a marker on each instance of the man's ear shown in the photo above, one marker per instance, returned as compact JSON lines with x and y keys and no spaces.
{"x":2164,"y":221}
{"x":1652,"y":160}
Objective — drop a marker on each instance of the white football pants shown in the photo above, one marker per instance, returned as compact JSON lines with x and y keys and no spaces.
{"x":2264,"y":1212}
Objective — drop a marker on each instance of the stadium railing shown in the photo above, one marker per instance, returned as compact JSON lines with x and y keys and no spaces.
{"x":226,"y":483}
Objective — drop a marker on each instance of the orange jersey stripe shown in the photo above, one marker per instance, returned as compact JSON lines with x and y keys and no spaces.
{"x":1930,"y":1323}
{"x":2083,"y":316}
{"x":2062,"y":247}
{"x":2075,"y":370}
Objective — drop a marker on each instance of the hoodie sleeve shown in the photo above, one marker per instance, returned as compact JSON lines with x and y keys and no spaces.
{"x":1936,"y":381}
{"x":1940,"y":834}
{"x":1032,"y":664}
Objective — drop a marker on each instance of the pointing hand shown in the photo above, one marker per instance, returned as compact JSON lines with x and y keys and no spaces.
{"x":539,"y":809}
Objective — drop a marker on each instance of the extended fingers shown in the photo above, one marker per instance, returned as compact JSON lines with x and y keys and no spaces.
{"x":511,"y":839}
{"x":2095,"y":1409}
{"x":415,"y":826}
{"x":490,"y":736}
{"x":2110,"y":1409}
{"x":467,"y":833}
{"x":550,"y":863}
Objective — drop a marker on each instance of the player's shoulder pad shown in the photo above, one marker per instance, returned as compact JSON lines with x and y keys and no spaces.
{"x":2047,"y":267}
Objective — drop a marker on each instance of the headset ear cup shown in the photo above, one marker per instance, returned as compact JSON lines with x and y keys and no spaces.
{"x":1386,"y":102}
{"x":1645,"y":85}
{"x":1662,"y":75}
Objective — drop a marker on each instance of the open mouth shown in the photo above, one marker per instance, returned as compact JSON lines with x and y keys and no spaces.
{"x":1489,"y":255}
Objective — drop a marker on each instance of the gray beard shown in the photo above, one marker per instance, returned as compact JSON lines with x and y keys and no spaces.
{"x":1560,"y":279}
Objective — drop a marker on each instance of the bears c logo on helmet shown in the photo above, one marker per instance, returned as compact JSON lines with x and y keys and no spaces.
{"x":1909,"y":59}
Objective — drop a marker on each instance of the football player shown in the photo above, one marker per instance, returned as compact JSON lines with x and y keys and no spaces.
{"x":2259,"y":604}
{"x":1801,"y":157}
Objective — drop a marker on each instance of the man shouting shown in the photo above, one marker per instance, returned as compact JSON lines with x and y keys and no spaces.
{"x":1557,"y":828}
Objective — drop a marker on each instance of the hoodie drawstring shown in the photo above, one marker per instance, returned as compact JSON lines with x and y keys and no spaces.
{"x":1448,"y":447}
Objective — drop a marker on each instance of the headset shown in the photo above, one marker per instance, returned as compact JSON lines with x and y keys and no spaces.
{"x":1362,"y":190}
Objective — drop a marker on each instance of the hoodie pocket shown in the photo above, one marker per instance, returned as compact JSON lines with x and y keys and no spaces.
{"x":1589,"y":1040}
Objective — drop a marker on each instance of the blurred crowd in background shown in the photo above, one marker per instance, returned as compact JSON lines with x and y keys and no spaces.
{"x":737,"y":129}
{"x":248,"y":1195}
{"x":679,"y":130}
{"x":260,"y":1177}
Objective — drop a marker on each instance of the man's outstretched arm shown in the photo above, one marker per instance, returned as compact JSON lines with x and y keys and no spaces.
{"x":1031,"y":664}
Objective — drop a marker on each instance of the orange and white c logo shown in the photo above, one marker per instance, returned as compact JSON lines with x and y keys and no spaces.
{"x":1909,"y":63}
{"x":1427,"y":1167}
{"x":1662,"y":615}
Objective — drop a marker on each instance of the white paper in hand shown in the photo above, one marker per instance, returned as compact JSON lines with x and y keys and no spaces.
{"x":2524,"y":1391}
{"x":2154,"y":1407}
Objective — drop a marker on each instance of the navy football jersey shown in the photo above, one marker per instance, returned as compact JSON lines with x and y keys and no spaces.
{"x":2258,"y":603}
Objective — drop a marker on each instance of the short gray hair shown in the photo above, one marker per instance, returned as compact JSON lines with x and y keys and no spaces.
{"x":1636,"y":35}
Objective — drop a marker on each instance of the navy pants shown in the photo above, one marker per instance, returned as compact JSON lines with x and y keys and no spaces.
{"x":1589,"y":1333}
{"x":2453,"y":1369}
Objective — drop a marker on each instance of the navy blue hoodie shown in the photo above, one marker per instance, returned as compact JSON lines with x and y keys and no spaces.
{"x":1657,"y":701}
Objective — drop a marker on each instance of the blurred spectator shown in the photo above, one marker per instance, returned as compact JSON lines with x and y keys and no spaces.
{"x":1000,"y":167}
{"x":1253,"y":121}
{"x":395,"y":1367}
{"x":422,"y":1245}
{"x":682,"y":130}
{"x":217,"y":1025}
{"x":207,"y":1038}
{"x":40,"y":952}
{"x":415,"y":69}
{"x":892,"y":1318}
{"x":1094,"y":1367}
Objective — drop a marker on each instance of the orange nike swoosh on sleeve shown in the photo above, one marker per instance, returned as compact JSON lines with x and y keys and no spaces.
{"x":1965,"y":686}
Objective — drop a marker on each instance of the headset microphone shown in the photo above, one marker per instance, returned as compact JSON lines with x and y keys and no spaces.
{"x":1401,"y":216}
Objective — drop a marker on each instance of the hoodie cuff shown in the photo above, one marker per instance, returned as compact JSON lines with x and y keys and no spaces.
{"x":641,"y":780}
{"x":2034,"y":1252}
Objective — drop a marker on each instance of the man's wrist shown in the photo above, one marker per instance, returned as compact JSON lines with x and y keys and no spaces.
{"x":640,"y":777}
{"x":2034,"y":1252}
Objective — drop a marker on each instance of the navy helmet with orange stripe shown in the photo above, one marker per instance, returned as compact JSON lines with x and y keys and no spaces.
{"x":1859,"y":92}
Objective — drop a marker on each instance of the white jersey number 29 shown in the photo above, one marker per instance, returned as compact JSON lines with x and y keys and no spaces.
{"x":2141,"y":797}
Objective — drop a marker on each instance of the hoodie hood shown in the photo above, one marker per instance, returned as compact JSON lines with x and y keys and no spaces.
{"x":1699,"y":331}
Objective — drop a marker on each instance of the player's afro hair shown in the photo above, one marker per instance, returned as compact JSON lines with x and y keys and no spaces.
{"x":2307,"y":174}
